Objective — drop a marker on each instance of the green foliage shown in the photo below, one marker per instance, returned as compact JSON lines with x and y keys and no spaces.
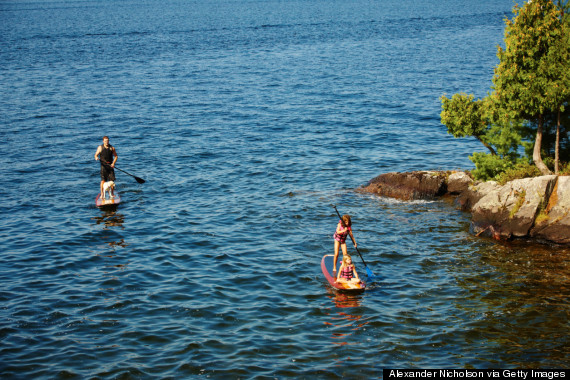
{"x":531,"y":84}
{"x":505,"y":138}
{"x":565,"y":169}
{"x":518,"y":171}
{"x":528,"y":131}
{"x":532,"y":77}
{"x":465,"y":116}
{"x":525,"y":72}
{"x":558,"y":61}
{"x":462,"y":115}
{"x":489,"y":166}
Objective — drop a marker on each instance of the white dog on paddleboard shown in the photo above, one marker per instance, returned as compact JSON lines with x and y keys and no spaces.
{"x":109,"y":187}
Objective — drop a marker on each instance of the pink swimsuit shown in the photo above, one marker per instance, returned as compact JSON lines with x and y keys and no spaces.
{"x":341,"y":238}
{"x":347,"y":272}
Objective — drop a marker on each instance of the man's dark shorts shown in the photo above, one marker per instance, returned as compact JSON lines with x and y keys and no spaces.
{"x":107,"y":173}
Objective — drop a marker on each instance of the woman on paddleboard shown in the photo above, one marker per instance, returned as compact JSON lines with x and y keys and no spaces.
{"x":343,"y":229}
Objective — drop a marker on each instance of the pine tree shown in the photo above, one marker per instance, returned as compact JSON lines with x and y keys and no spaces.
{"x":529,"y":67}
{"x":559,"y":64}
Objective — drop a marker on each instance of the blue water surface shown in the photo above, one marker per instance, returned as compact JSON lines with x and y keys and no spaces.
{"x":249,"y":119}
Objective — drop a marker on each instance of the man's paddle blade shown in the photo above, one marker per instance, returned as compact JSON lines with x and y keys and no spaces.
{"x":140,"y":180}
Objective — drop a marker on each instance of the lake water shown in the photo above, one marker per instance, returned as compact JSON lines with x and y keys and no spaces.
{"x":249,"y":119}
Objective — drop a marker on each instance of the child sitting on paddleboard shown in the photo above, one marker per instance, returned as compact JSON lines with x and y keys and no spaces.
{"x":347,"y":272}
{"x":343,"y":229}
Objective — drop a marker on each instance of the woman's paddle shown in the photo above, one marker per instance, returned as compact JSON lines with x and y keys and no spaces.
{"x":368,"y":270}
{"x":139,"y":180}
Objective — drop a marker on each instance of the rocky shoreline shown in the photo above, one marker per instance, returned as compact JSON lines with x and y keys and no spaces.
{"x":537,"y":208}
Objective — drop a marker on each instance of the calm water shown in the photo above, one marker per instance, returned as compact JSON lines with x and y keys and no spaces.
{"x":249,"y":119}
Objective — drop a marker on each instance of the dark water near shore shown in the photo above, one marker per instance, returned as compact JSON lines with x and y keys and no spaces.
{"x":249,"y":119}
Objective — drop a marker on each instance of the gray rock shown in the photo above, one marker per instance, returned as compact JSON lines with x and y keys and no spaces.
{"x":408,"y":186}
{"x":474,"y":193}
{"x":553,"y":223}
{"x":510,"y":210}
{"x":458,"y":182}
{"x":537,"y":207}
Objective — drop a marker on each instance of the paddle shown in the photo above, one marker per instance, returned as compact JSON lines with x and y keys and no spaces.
{"x":139,"y":180}
{"x":369,"y":273}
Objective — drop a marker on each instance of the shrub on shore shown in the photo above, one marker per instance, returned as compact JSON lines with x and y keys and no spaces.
{"x":521,"y":170}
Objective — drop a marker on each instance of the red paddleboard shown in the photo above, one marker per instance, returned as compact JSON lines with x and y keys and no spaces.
{"x":106,"y":202}
{"x":327,"y":268}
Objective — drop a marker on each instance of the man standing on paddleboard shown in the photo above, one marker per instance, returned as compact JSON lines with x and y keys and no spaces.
{"x":108,"y":155}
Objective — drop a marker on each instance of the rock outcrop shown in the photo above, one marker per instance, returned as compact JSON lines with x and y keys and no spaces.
{"x":458,"y":182}
{"x":510,"y":210}
{"x":553,"y":223}
{"x":536,"y":207}
{"x":474,"y":193}
{"x":409,"y":186}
